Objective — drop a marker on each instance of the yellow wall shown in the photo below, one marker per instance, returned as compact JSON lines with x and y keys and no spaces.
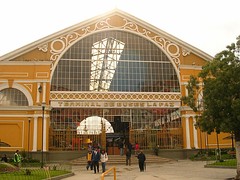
{"x":33,"y":67}
{"x":14,"y":124}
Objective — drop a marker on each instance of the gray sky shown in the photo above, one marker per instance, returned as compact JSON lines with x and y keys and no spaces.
{"x":209,"y":25}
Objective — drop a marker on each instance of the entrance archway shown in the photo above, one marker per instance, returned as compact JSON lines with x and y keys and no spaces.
{"x":94,"y":125}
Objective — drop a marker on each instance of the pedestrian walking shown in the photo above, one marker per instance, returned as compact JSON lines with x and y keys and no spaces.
{"x":129,"y":146}
{"x":89,"y":160}
{"x":141,"y":160}
{"x":128,"y":157}
{"x":95,"y":160}
{"x":103,"y":159}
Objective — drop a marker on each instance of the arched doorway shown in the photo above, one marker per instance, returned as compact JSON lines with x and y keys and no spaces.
{"x":94,"y":125}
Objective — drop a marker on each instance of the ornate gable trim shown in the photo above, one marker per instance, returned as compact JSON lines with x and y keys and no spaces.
{"x":56,"y":44}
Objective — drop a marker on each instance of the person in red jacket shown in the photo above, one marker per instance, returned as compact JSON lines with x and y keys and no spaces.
{"x":136,"y":148}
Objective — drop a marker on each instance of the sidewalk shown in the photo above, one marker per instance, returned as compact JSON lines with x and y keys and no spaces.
{"x":177,"y":170}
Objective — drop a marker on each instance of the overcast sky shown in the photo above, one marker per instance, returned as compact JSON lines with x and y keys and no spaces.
{"x":209,"y":25}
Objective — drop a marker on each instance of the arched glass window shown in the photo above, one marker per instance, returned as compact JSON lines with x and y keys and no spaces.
{"x":93,"y":125}
{"x":115,"y":61}
{"x":12,"y":97}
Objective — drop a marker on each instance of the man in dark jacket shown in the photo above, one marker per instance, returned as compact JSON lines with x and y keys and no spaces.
{"x":128,"y":157}
{"x":130,"y":147}
{"x":95,"y":160}
{"x":141,"y":160}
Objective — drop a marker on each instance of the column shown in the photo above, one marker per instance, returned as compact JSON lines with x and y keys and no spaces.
{"x":188,"y":146}
{"x":35,"y":132}
{"x":44,"y":93}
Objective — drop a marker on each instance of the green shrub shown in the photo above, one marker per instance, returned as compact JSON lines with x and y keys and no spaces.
{"x":210,"y":154}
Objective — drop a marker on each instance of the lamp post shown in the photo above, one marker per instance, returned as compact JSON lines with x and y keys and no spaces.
{"x":28,"y":134}
{"x":43,"y":109}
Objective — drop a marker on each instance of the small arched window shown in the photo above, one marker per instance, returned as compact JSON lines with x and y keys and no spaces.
{"x":12,"y":97}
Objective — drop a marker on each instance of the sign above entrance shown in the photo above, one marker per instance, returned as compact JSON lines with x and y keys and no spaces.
{"x":115,"y":104}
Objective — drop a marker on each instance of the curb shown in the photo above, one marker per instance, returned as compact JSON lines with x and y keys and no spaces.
{"x":63,"y":176}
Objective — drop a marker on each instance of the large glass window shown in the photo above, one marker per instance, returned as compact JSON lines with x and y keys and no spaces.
{"x":115,"y":61}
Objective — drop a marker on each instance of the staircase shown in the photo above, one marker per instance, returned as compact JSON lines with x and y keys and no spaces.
{"x":121,"y":160}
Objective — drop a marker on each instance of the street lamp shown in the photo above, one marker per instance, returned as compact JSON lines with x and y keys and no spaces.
{"x":43,"y":109}
{"x":29,"y":120}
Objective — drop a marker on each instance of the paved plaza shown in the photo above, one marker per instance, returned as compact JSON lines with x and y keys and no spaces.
{"x":177,"y":170}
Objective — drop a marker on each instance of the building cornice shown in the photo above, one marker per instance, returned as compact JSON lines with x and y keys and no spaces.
{"x":25,"y":63}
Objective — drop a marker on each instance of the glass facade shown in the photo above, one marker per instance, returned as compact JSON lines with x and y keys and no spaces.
{"x":115,"y":61}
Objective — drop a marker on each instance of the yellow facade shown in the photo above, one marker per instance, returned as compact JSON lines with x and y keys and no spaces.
{"x":32,"y":66}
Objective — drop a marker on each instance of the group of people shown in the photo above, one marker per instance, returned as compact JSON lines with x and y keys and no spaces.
{"x":16,"y":159}
{"x":96,"y":156}
{"x":138,"y":153}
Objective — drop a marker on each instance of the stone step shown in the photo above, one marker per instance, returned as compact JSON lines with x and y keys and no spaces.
{"x":117,"y":159}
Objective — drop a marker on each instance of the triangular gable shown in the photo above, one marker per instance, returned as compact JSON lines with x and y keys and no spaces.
{"x":53,"y":46}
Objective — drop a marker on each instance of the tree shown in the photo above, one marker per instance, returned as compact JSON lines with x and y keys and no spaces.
{"x":221,"y":92}
{"x":194,"y":100}
{"x":190,"y":100}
